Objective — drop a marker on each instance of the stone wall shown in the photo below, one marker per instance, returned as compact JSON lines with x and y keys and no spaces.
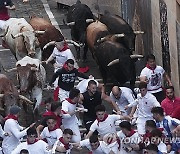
{"x":112,"y":6}
{"x":172,"y":36}
{"x":156,"y":31}
{"x":172,"y":16}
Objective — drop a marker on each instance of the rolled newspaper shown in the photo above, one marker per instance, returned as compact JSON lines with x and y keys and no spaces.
{"x":81,"y":109}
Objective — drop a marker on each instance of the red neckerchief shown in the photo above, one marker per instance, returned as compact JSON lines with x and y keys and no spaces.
{"x":55,"y":127}
{"x":33,"y":142}
{"x":65,"y":67}
{"x":11,"y":116}
{"x":146,"y":136}
{"x":83,"y":69}
{"x":64,"y":48}
{"x":151,"y":68}
{"x":58,"y":118}
{"x":65,"y":144}
{"x":131,"y":133}
{"x":70,"y":101}
{"x":105,"y":117}
{"x":48,"y":113}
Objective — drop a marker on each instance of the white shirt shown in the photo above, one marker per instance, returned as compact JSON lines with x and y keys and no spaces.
{"x":126,"y":142}
{"x":102,"y":148}
{"x":11,"y":141}
{"x":58,"y":143}
{"x":154,"y":78}
{"x":106,"y":126}
{"x":114,"y":147}
{"x":62,"y":57}
{"x":39,"y":147}
{"x":126,"y":98}
{"x":162,"y":147}
{"x":51,"y":136}
{"x":69,"y":121}
{"x":82,"y":86}
{"x":1,"y":152}
{"x":145,"y":104}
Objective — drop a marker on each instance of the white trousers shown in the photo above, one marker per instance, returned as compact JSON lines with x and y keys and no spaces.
{"x":56,"y":81}
{"x":63,"y":94}
{"x":2,"y":24}
{"x":141,"y":125}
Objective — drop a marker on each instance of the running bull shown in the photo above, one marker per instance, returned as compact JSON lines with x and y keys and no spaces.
{"x":114,"y":59}
{"x":31,"y":76}
{"x":50,"y":34}
{"x":78,"y":18}
{"x":117,"y":25}
{"x":21,"y":38}
{"x":48,"y":39}
{"x":9,"y":94}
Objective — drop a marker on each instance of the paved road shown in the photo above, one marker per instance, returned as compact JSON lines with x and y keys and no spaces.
{"x":39,"y":8}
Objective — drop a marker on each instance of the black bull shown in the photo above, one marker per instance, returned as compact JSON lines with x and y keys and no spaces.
{"x":121,"y":71}
{"x":116,"y":48}
{"x":117,"y":25}
{"x":77,"y":17}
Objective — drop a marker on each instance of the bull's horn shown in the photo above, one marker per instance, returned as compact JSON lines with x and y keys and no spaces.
{"x":1,"y":95}
{"x":70,"y":23}
{"x":136,"y":56}
{"x":25,"y":99}
{"x":119,"y":35}
{"x":48,"y":44}
{"x":115,"y":61}
{"x":5,"y":32}
{"x":138,"y":32}
{"x":1,"y":109}
{"x":17,"y":35}
{"x":39,"y":32}
{"x":101,"y":39}
{"x":10,"y":70}
{"x":34,"y":69}
{"x":89,"y":20}
{"x":73,"y":42}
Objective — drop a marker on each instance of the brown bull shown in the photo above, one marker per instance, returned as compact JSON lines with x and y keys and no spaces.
{"x":9,"y":94}
{"x":51,"y":34}
{"x":114,"y":59}
{"x":21,"y":38}
{"x":31,"y":76}
{"x":95,"y":31}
